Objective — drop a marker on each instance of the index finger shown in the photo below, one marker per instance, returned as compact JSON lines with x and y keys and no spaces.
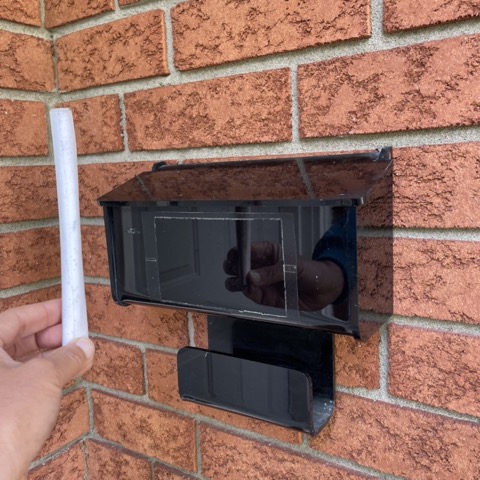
{"x":23,"y":321}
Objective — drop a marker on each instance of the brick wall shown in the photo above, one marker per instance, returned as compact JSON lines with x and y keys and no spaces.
{"x":219,"y":79}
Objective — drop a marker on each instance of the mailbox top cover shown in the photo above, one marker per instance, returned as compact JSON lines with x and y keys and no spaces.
{"x":342,"y":179}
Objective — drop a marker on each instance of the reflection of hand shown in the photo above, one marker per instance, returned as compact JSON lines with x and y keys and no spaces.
{"x":320,"y":283}
{"x":32,"y":373}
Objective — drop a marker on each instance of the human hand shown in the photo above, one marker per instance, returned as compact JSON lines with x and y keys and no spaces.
{"x":33,"y":372}
{"x":320,"y":283}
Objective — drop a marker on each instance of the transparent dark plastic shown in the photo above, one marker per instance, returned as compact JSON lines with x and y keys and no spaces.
{"x":268,"y":249}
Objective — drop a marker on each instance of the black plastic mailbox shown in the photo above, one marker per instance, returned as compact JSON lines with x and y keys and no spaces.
{"x":269,"y":250}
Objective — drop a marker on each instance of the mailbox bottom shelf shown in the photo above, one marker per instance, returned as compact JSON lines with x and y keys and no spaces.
{"x":277,"y":373}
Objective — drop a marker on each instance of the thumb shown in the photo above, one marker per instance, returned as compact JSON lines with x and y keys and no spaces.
{"x":265,"y":276}
{"x":73,"y":359}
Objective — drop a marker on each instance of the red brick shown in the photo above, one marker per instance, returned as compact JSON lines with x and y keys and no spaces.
{"x":436,"y":368}
{"x":70,"y":464}
{"x":212,"y":32}
{"x":432,"y":279}
{"x":126,"y":49}
{"x":357,"y":363}
{"x":165,"y":473}
{"x":226,"y":456}
{"x":124,"y":3}
{"x":136,"y":322}
{"x":23,"y":128}
{"x":26,"y":62}
{"x":98,"y":179}
{"x":29,"y":256}
{"x":163,"y":388}
{"x":251,"y":108}
{"x":437,"y":279}
{"x":36,"y":296}
{"x":28,"y":193}
{"x":200,"y":330}
{"x":400,"y":441}
{"x":97,"y":124}
{"x":408,"y":14}
{"x":146,"y":430}
{"x":59,"y":13}
{"x":72,"y":423}
{"x":21,"y":11}
{"x":410,"y":88}
{"x":434,"y":187}
{"x":111,"y":463}
{"x":94,"y":244}
{"x":117,"y":366}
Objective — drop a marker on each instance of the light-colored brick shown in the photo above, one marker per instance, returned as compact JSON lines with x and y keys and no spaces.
{"x":122,"y":50}
{"x":409,"y":88}
{"x":250,"y":108}
{"x":211,"y":32}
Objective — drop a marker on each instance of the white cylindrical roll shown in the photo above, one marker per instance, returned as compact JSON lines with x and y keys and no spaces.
{"x":74,"y":310}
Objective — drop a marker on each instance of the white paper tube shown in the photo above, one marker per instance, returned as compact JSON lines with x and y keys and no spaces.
{"x":74,"y":310}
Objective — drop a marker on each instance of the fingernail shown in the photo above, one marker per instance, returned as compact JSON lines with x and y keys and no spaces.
{"x":87,"y":346}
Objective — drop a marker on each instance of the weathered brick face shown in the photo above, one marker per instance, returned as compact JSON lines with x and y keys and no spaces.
{"x":223,"y":80}
{"x":123,"y":50}
{"x":210,"y":32}
{"x":411,"y":88}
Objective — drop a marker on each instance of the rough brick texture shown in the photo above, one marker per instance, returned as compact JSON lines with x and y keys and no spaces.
{"x":58,"y":12}
{"x":163,"y":388}
{"x":210,"y":32}
{"x":23,"y":129}
{"x":432,"y":279}
{"x":408,"y":14}
{"x":123,"y":50}
{"x":94,"y":249}
{"x":436,"y":368}
{"x":229,"y":456}
{"x":97,"y":124}
{"x":26,"y":62}
{"x":108,"y":463}
{"x":21,"y":11}
{"x":357,"y":363}
{"x":146,"y":430}
{"x":437,"y":187}
{"x":73,"y":422}
{"x":29,"y":256}
{"x":410,"y":88}
{"x":31,"y":297}
{"x":96,"y":179}
{"x":69,"y":464}
{"x":403,"y":442}
{"x":251,"y":108}
{"x":28,"y":193}
{"x":117,"y":366}
{"x":165,"y":473}
{"x":151,"y":325}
